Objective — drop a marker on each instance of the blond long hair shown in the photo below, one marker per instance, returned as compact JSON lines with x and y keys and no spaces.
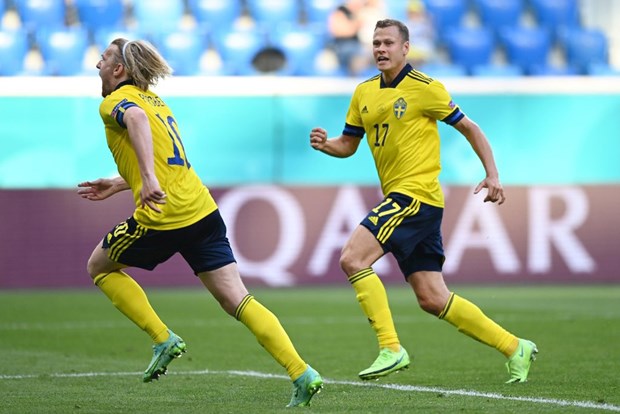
{"x":143,"y":63}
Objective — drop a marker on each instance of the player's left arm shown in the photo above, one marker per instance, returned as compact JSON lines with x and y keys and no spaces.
{"x":479,"y":142}
{"x":139,"y":131}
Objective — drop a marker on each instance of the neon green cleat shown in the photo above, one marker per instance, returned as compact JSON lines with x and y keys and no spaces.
{"x":163,"y":354}
{"x":387,"y":362}
{"x":305,"y":387}
{"x":519,"y":363}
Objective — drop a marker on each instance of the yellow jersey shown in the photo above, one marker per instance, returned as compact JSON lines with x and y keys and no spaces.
{"x":187,"y":199}
{"x":400,"y":123}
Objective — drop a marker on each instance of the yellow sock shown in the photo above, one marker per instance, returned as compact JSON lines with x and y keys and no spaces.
{"x":470,"y":320}
{"x":271,"y":335}
{"x":130,"y":299}
{"x":374,"y":302}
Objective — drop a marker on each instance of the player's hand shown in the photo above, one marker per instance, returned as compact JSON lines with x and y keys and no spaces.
{"x":97,"y":190}
{"x":318,"y":138}
{"x":495,"y":191}
{"x":151,"y":194}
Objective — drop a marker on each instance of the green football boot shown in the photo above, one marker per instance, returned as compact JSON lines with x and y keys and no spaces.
{"x":305,"y":387}
{"x":163,"y":354}
{"x":518,"y":364}
{"x":386,"y":363}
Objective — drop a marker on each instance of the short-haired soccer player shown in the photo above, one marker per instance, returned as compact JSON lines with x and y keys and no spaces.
{"x":398,"y":111}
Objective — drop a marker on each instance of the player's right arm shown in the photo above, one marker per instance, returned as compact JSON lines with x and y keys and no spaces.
{"x":340,"y":147}
{"x":101,"y":188}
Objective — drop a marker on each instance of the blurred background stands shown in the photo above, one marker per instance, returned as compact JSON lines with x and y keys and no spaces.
{"x":293,"y":38}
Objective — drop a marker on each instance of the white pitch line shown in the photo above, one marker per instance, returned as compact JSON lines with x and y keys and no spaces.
{"x":396,"y":387}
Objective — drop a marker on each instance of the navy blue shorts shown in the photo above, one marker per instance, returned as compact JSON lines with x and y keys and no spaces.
{"x":410,"y":230}
{"x":203,"y":245}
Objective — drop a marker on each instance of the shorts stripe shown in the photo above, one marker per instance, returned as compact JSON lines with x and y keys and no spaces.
{"x":388,"y":228}
{"x":125,"y":241}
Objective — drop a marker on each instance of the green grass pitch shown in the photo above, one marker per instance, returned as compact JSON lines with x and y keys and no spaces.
{"x":73,"y":352}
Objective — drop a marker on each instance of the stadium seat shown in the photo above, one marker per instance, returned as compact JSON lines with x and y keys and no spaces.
{"x":551,"y":70}
{"x":446,"y":14}
{"x":584,"y":47}
{"x":104,"y":36}
{"x":237,"y":48}
{"x":526,"y":46}
{"x":497,"y":71}
{"x":183,"y":51}
{"x":496,"y":14}
{"x":602,"y":69}
{"x":63,"y":50}
{"x":271,"y":13}
{"x":301,"y":47}
{"x":213,"y":13}
{"x":41,"y":14}
{"x":158,"y":16}
{"x":318,"y":11}
{"x":556,"y":14}
{"x":95,"y":14}
{"x":443,"y":70}
{"x":13,"y":50}
{"x":470,"y":47}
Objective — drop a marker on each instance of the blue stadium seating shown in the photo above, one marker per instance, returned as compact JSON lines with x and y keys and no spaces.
{"x":446,"y":14}
{"x":158,"y":16}
{"x":13,"y":49}
{"x":318,"y":11}
{"x":300,"y":45}
{"x":526,"y":46}
{"x":212,"y":13}
{"x":104,"y":36}
{"x":496,"y":14}
{"x":550,"y":70}
{"x":602,"y":69}
{"x":271,"y":13}
{"x":497,"y":71}
{"x":63,"y":50}
{"x":556,"y":14}
{"x":41,"y":14}
{"x":237,"y":48}
{"x":182,"y":50}
{"x":470,"y":47}
{"x":443,"y":70}
{"x":585,"y":47}
{"x":95,"y":14}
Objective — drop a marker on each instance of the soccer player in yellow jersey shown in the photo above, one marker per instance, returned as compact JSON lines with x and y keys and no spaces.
{"x":174,"y":213}
{"x":398,"y":111}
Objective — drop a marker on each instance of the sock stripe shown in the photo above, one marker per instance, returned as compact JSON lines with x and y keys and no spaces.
{"x":447,"y":308}
{"x":242,"y":305}
{"x":361,"y":274}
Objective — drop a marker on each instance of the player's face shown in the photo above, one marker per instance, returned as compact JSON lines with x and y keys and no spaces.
{"x":107,"y":66}
{"x":389,"y":49}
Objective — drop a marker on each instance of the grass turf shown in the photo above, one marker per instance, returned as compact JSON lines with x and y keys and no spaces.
{"x":72,"y":352}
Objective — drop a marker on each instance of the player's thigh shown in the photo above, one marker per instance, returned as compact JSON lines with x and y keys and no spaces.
{"x":100,"y":263}
{"x":360,"y":251}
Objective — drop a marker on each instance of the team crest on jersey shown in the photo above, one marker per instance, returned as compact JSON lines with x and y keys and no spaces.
{"x":400,"y":107}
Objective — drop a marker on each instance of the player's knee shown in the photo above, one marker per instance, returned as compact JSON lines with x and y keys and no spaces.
{"x":430,"y":304}
{"x":348,"y":263}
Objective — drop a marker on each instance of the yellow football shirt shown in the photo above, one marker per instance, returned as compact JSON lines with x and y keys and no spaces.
{"x":400,"y":123}
{"x":187,"y":199}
